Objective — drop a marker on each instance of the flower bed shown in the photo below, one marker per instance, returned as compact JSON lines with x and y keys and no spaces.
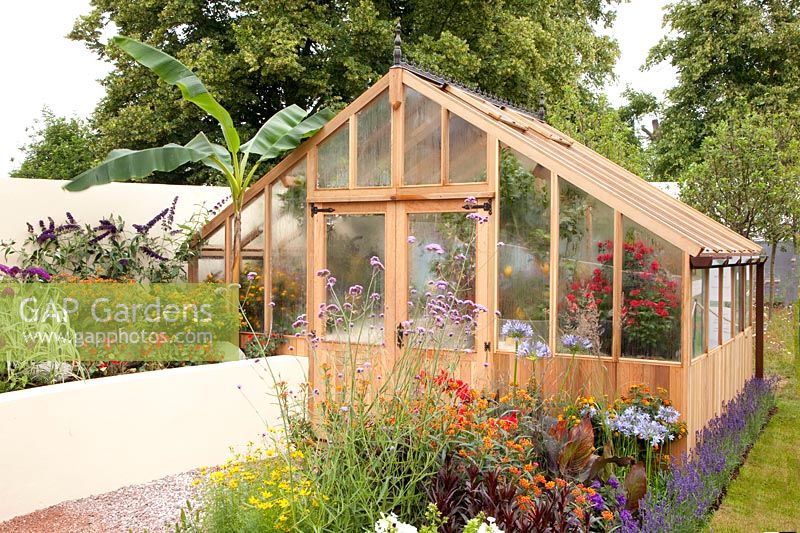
{"x":696,"y":484}
{"x":413,"y":448}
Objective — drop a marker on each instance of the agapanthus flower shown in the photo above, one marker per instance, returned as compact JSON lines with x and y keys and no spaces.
{"x":668,"y":414}
{"x":516,"y":329}
{"x":541,"y":350}
{"x":571,"y":340}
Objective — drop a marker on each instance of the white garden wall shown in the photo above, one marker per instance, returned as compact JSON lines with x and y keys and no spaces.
{"x":28,"y":200}
{"x":72,"y":440}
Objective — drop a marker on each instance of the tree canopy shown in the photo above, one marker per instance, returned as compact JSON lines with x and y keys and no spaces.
{"x":725,"y":52}
{"x":258,"y":56}
{"x":746,"y":176}
{"x":59,"y":148}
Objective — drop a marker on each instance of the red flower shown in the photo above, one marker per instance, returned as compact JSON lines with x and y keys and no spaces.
{"x":654,"y":266}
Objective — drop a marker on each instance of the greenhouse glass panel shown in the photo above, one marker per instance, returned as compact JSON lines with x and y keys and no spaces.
{"x":737,"y":305}
{"x":374,"y":127}
{"x":727,"y":304}
{"x":467,"y":146}
{"x":748,"y":304}
{"x":251,"y":295}
{"x":253,"y":224}
{"x":651,"y":295}
{"x":211,"y":270}
{"x":698,"y":312}
{"x":454,"y":268}
{"x":585,"y":272}
{"x":216,"y":241}
{"x":423,"y":140}
{"x":714,"y":318}
{"x":352,"y":240}
{"x":523,"y":254}
{"x":333,"y":160}
{"x":288,"y":248}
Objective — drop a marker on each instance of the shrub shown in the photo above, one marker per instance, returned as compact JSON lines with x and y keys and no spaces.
{"x":107,"y":250}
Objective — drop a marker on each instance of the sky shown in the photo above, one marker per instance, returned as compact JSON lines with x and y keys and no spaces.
{"x":43,"y":68}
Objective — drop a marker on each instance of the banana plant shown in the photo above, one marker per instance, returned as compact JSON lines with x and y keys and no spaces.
{"x":284,"y":131}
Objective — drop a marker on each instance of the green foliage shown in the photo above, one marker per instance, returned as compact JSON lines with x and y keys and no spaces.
{"x":59,"y":148}
{"x":723,"y":50}
{"x":590,"y":119}
{"x":282,"y":132}
{"x":746,"y":176}
{"x":107,"y":250}
{"x":24,"y":363}
{"x":262,"y":55}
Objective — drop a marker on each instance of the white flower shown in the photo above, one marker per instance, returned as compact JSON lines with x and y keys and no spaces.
{"x":489,"y":527}
{"x":391,"y":524}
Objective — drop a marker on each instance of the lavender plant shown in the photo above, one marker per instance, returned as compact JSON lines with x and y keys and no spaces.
{"x":696,"y":483}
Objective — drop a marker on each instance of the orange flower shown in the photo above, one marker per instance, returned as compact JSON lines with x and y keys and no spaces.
{"x":607,"y":515}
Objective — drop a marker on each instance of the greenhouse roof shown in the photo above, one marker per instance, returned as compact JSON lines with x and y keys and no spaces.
{"x":524,"y":131}
{"x":619,"y":188}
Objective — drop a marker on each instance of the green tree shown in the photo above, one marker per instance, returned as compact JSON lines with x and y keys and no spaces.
{"x":59,"y":148}
{"x":279,"y":134}
{"x":747,"y":176}
{"x":724,"y":51}
{"x":591,"y":120}
{"x":259,"y":55}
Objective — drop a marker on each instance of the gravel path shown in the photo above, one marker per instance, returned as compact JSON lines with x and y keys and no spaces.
{"x":152,"y":507}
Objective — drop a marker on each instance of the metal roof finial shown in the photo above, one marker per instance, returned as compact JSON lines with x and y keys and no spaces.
{"x":398,"y":51}
{"x":541,"y":111}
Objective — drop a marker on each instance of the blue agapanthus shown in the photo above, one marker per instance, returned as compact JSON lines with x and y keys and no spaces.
{"x":517,"y":329}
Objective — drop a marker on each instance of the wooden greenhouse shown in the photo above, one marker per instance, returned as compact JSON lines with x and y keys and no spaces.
{"x":574,"y":244}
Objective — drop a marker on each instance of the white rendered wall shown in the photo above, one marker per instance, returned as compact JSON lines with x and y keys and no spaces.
{"x":72,"y":440}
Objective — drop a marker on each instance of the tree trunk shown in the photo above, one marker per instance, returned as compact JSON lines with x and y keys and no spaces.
{"x":236,"y":245}
{"x":773,"y":251}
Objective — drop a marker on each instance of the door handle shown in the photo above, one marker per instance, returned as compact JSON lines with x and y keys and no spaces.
{"x":400,"y":335}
